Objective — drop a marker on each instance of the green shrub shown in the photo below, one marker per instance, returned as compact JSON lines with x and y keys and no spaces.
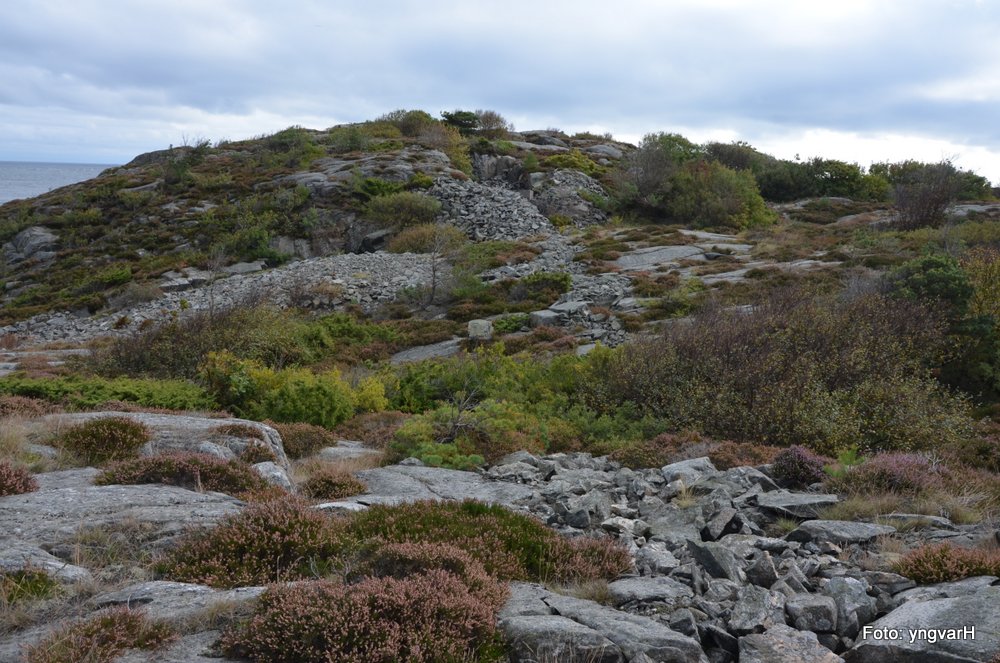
{"x":274,"y":541}
{"x":437,"y":238}
{"x":430,"y":617}
{"x":302,"y":396}
{"x":89,"y":392}
{"x":194,"y":471}
{"x":15,"y":480}
{"x":331,"y":483}
{"x":510,"y":323}
{"x":104,"y":440}
{"x":403,"y":209}
{"x":779,"y":375}
{"x":575,"y":160}
{"x":936,"y":563}
{"x":101,"y":638}
{"x":707,"y":194}
{"x":301,"y":440}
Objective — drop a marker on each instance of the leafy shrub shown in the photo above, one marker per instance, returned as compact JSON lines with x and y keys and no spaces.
{"x":430,"y":617}
{"x":403,"y":209}
{"x":492,"y":124}
{"x":922,"y":193}
{"x":409,"y":122}
{"x":15,"y":480}
{"x":575,"y":160}
{"x":274,"y":541}
{"x":194,"y":471}
{"x":427,"y":238}
{"x":945,"y":563}
{"x":936,"y":279}
{"x":89,"y":392}
{"x":707,"y":194}
{"x":794,"y":370}
{"x":509,"y":545}
{"x":510,"y":323}
{"x":798,"y":466}
{"x":905,"y":474}
{"x":448,"y":139}
{"x":105,"y":439}
{"x":331,"y":483}
{"x":101,"y":638}
{"x":301,"y":440}
{"x":177,"y":348}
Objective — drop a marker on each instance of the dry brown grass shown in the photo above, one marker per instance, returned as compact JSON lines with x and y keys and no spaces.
{"x":590,"y":590}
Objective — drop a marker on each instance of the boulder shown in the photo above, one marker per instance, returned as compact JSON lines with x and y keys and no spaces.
{"x":949,"y":630}
{"x":658,"y":590}
{"x":795,"y":505}
{"x":812,"y":612}
{"x":397,"y":484}
{"x":757,"y":610}
{"x":35,"y":242}
{"x":839,"y":531}
{"x":175,"y":601}
{"x":689,"y":471}
{"x":855,"y":607}
{"x":718,"y":560}
{"x":783,"y":644}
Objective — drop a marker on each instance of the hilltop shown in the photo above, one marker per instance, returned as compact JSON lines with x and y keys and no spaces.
{"x":491,"y":395}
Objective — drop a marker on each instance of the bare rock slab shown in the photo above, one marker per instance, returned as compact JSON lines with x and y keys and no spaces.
{"x":51,"y":516}
{"x":397,"y":484}
{"x":783,"y":644}
{"x":839,"y":531}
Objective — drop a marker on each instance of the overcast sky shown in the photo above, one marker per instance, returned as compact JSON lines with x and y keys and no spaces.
{"x":101,"y":81}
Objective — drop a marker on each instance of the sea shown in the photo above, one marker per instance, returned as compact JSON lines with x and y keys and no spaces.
{"x":26,"y":179}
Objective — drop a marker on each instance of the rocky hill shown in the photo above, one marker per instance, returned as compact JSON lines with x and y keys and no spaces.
{"x":493,"y":396}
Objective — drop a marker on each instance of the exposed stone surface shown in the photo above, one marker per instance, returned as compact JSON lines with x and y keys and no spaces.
{"x":839,"y":531}
{"x":485,"y":212}
{"x":36,"y":242}
{"x":782,"y":644}
{"x":944,"y":638}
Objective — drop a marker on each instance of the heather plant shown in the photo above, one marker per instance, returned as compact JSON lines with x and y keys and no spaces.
{"x":101,"y":638}
{"x":399,"y":560}
{"x":509,"y":545}
{"x":15,"y":479}
{"x":900,"y":473}
{"x":274,"y":541}
{"x":25,"y":407}
{"x":430,"y":617}
{"x":328,"y":482}
{"x":105,"y":440}
{"x":194,"y":471}
{"x":935,"y":563}
{"x":798,"y":466}
{"x":257,"y":452}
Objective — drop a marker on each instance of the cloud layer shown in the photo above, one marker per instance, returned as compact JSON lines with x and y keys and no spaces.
{"x":102,"y":80}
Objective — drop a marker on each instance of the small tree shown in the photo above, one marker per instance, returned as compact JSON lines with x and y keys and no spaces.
{"x":465,"y":121}
{"x":923,"y":193}
{"x":492,"y":124}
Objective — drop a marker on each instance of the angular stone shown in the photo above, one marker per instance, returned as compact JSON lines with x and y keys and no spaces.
{"x":396,"y":484}
{"x":948,"y":590}
{"x":795,"y":505}
{"x":950,"y":630}
{"x":689,"y":471}
{"x":717,"y":560}
{"x":812,"y":612}
{"x":480,"y":330}
{"x":838,"y":531}
{"x":762,"y":572}
{"x":556,"y":638}
{"x":655,"y":557}
{"x":855,"y":607}
{"x":544,"y":318}
{"x":650,"y":590}
{"x":756,"y":610}
{"x":784,"y":644}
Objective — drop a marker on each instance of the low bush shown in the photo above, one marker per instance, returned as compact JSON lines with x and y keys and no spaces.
{"x":403,"y":209}
{"x":904,"y":474}
{"x":26,"y":407}
{"x":101,"y":638}
{"x":275,"y":541}
{"x":436,"y":238}
{"x":88,"y":392}
{"x":375,"y":429}
{"x":301,"y":440}
{"x":430,"y":617}
{"x":15,"y":479}
{"x":575,"y":160}
{"x":104,"y":440}
{"x":257,"y":452}
{"x":194,"y":471}
{"x":510,"y":546}
{"x":945,"y":563}
{"x":798,"y":466}
{"x":331,"y":483}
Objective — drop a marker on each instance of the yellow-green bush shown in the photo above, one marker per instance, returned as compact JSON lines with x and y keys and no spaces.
{"x":403,"y":209}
